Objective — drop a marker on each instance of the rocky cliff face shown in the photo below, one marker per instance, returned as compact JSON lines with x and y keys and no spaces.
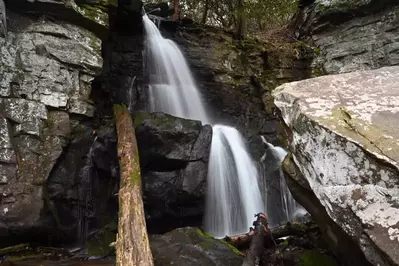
{"x":351,"y":35}
{"x":47,"y":68}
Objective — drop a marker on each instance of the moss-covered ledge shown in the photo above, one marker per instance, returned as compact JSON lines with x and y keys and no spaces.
{"x":92,"y":15}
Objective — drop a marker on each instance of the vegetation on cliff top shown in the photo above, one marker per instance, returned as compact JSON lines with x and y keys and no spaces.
{"x":256,"y":17}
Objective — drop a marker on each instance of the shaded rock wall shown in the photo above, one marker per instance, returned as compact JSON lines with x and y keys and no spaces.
{"x":47,"y":67}
{"x":58,"y":163}
{"x":351,"y":35}
{"x":174,"y":156}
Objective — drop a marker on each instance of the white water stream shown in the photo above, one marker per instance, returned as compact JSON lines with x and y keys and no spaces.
{"x":172,"y":89}
{"x":233,"y":195}
{"x":291,"y":208}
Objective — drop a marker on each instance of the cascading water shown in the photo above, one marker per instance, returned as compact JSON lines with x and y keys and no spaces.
{"x":291,"y":208}
{"x":86,"y":207}
{"x":172,"y":88}
{"x":233,"y":195}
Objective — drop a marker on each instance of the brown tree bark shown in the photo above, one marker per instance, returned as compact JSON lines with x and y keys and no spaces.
{"x":244,"y":240}
{"x":176,"y":7}
{"x":132,"y":245}
{"x":241,"y":21}
{"x":205,"y":14}
{"x":261,"y":238}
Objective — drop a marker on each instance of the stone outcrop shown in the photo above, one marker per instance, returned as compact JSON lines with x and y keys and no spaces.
{"x":90,"y":14}
{"x":58,"y":163}
{"x":46,"y":71}
{"x":174,"y":161}
{"x":190,"y":246}
{"x":345,"y":142}
{"x":350,"y":35}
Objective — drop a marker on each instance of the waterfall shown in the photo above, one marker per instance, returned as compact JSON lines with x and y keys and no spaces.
{"x":233,"y":193}
{"x":132,"y":87}
{"x":86,"y":207}
{"x":172,"y":89}
{"x":292,"y":210}
{"x":233,"y":196}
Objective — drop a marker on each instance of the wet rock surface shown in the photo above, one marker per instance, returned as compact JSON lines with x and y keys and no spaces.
{"x":174,"y":155}
{"x":47,"y":67}
{"x":345,"y":143}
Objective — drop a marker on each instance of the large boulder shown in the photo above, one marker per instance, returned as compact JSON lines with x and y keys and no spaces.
{"x":350,"y":35}
{"x":174,"y":155}
{"x":345,"y":143}
{"x":190,"y":246}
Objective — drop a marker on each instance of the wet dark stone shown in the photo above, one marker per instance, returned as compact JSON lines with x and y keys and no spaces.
{"x":173,"y":156}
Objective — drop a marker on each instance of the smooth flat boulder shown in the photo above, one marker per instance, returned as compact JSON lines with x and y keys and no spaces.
{"x":345,"y":141}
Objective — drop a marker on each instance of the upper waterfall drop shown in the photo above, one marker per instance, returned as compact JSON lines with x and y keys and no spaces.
{"x":233,"y":196}
{"x":172,"y":87}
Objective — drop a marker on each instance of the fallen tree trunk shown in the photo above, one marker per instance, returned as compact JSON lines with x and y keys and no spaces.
{"x":132,"y":245}
{"x":261,"y":236}
{"x":243,"y":240}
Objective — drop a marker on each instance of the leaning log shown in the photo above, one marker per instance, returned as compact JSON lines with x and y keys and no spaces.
{"x":261,"y":235}
{"x":243,"y":241}
{"x":132,"y":245}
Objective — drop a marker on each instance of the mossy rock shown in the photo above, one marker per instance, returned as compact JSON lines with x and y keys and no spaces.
{"x":314,"y":258}
{"x":183,"y":246}
{"x":210,"y":237}
{"x":99,"y":244}
{"x":95,"y":13}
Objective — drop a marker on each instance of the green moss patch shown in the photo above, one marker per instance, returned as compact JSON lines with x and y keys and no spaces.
{"x":314,"y":258}
{"x":98,"y":245}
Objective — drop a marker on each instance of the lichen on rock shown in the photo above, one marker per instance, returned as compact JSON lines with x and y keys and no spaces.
{"x":47,"y":67}
{"x":345,"y":143}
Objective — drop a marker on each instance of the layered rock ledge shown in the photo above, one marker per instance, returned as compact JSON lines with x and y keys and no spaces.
{"x":345,"y":142}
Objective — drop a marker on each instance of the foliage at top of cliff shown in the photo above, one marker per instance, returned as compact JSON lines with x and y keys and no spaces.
{"x":259,"y":15}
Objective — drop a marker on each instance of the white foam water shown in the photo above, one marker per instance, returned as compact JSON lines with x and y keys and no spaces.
{"x":233,"y":196}
{"x":172,"y":88}
{"x":291,"y":208}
